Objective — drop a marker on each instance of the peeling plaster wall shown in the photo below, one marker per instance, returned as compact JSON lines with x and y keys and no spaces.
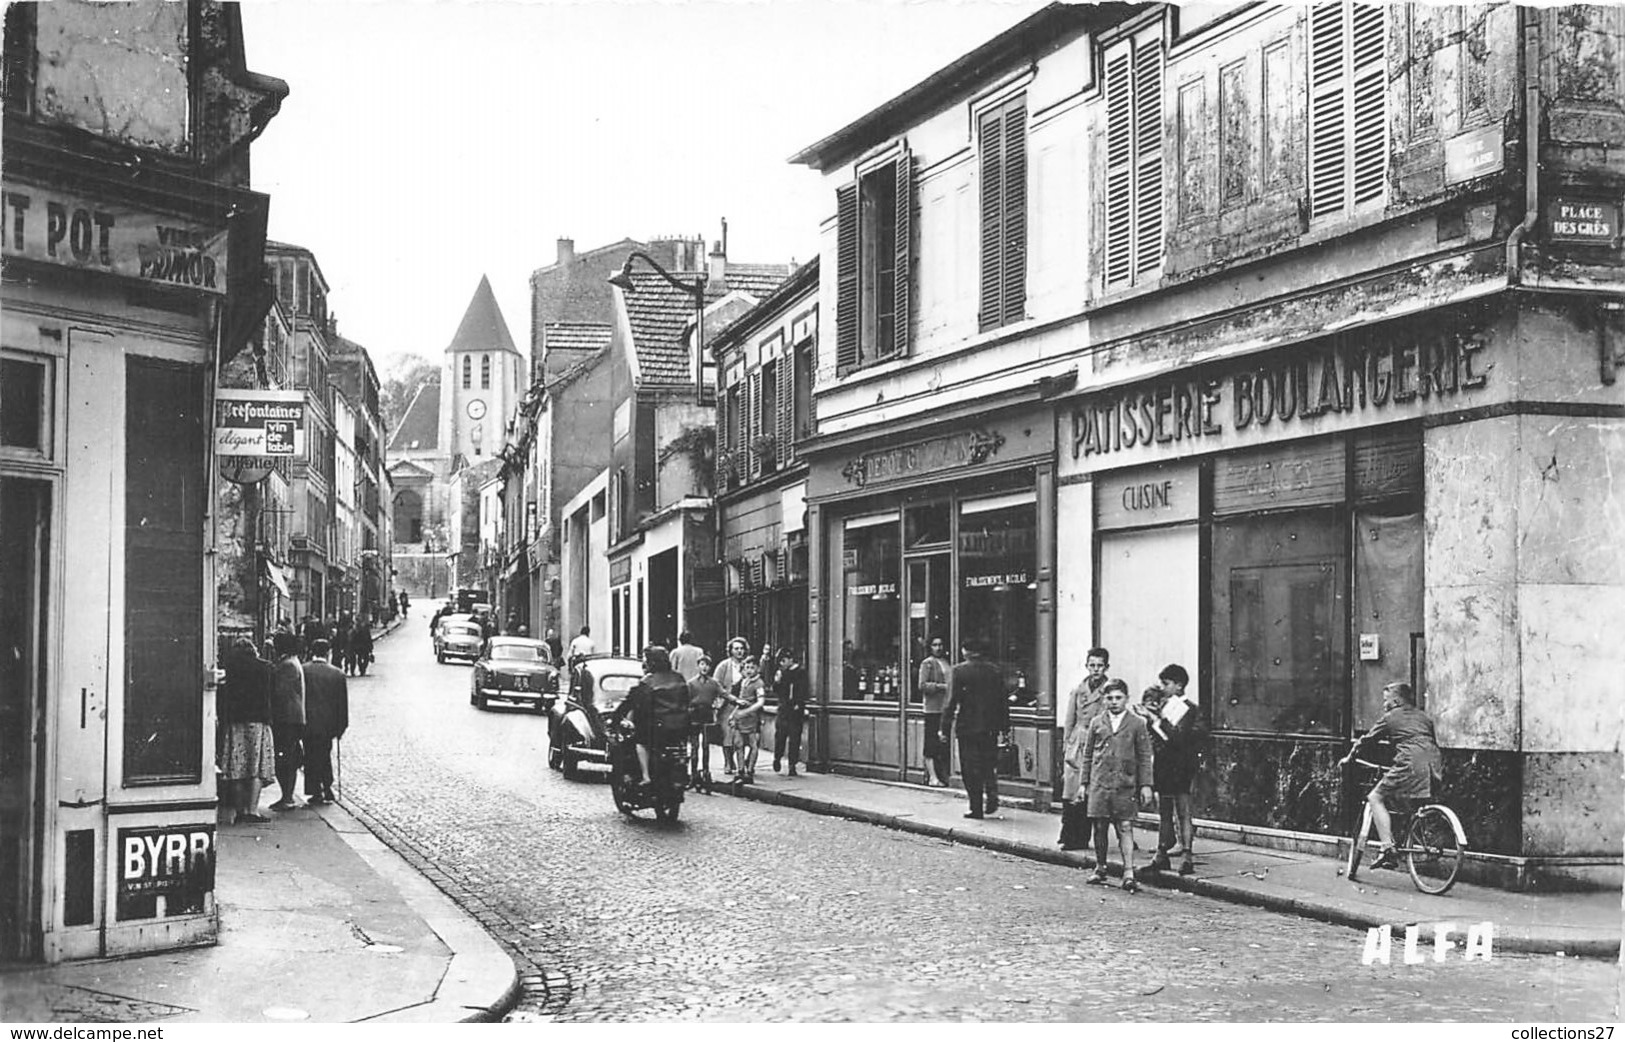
{"x":115,"y":70}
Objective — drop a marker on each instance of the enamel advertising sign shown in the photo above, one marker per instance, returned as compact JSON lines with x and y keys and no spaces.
{"x":266,"y":424}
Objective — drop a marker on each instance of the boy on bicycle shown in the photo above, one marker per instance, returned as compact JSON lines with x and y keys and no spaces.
{"x":1416,"y":767}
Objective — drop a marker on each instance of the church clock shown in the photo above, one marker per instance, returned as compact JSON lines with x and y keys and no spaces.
{"x":476,"y":409}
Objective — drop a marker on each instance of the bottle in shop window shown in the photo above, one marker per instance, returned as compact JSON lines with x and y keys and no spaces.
{"x":863,"y":683}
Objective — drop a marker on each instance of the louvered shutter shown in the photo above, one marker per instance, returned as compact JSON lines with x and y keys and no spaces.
{"x":784,"y":413}
{"x":903,"y":240}
{"x":992,"y":150}
{"x":846,"y":278}
{"x":1147,"y":159}
{"x":1119,"y":223}
{"x":1013,"y":296}
{"x":1328,"y":137}
{"x":1369,"y":102}
{"x":753,"y":413}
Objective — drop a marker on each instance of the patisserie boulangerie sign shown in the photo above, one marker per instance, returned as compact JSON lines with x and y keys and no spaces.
{"x":1351,"y":383}
{"x":53,"y":227}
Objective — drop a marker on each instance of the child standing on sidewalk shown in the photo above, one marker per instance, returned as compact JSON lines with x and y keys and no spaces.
{"x":703,"y":696}
{"x":1117,"y":757}
{"x":1178,"y":738}
{"x":747,"y":720}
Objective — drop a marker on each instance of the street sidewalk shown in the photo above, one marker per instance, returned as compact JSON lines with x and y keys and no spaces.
{"x":1303,"y":884}
{"x":319,"y":921}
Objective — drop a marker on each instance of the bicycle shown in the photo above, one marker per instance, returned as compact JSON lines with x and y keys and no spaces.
{"x":1434,"y":841}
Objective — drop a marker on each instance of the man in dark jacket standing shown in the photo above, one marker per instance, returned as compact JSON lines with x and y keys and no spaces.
{"x":327,"y":714}
{"x":287,"y":717}
{"x":976,"y":698}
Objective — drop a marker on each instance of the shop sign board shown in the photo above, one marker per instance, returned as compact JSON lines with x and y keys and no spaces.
{"x":166,"y":859}
{"x":1584,"y":222}
{"x":920,"y":458}
{"x":620,"y":571}
{"x":53,"y":227}
{"x":1146,"y":496}
{"x":1346,"y":381}
{"x":260,"y":423}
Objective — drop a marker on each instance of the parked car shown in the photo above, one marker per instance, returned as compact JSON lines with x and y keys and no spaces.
{"x":575,"y":731}
{"x":517,"y":670}
{"x":458,"y":637}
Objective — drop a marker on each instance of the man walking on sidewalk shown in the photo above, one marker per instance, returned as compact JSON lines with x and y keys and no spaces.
{"x":976,"y":698}
{"x":287,"y":717}
{"x":327,"y":715}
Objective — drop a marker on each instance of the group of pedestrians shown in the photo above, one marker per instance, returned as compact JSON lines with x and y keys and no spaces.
{"x":728,"y":701}
{"x":279,"y":714}
{"x":1118,"y":755}
{"x":348,"y":640}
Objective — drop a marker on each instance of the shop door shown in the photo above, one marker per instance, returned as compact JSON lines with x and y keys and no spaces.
{"x":929,"y":599}
{"x":1387,"y":622}
{"x":25,"y":518}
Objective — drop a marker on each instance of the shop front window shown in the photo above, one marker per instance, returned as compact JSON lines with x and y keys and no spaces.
{"x":998,"y":595}
{"x":871,"y":560}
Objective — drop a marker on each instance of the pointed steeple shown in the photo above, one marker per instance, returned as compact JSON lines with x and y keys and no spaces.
{"x":483,"y":328}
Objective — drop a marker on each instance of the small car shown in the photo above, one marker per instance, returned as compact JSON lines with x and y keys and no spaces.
{"x":517,"y":670}
{"x":575,"y":732}
{"x":455,"y":638}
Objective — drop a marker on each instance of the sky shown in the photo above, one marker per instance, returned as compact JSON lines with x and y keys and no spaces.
{"x":425,"y":144}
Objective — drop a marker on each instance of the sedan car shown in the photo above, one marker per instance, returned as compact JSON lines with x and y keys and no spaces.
{"x":517,"y":670}
{"x":457,"y":639}
{"x":576,"y":736}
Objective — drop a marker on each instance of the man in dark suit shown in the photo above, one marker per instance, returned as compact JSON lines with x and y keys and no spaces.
{"x":976,"y":698}
{"x":327,"y":715}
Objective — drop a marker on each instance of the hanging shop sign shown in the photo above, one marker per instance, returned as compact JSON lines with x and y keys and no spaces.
{"x":264,"y":424}
{"x":1373,"y":382}
{"x":1585,"y":222}
{"x":167,"y":859}
{"x":51,"y":227}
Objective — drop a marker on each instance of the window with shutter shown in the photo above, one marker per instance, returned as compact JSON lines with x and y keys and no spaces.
{"x":768,"y":425}
{"x":1002,"y":141}
{"x":1348,"y":108}
{"x":874,"y":265}
{"x":784,"y":429}
{"x":1133,"y":226}
{"x":753,"y":418}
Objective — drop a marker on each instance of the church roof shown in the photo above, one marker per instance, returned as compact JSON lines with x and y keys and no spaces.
{"x":658,"y":314}
{"x":420,"y":427}
{"x":483,"y":328}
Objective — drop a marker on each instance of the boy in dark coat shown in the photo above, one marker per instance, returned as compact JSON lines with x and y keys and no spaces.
{"x":1178,"y":739}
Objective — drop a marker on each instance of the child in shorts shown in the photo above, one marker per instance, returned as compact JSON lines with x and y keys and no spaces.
{"x":747,"y":720}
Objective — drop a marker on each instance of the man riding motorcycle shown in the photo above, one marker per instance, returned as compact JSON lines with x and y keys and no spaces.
{"x":656,"y":707}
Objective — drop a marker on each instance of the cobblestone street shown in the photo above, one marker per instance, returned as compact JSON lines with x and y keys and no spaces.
{"x":745,"y":911}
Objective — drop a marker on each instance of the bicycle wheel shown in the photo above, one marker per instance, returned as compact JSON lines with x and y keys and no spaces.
{"x":1432,"y":851}
{"x":1351,"y":868}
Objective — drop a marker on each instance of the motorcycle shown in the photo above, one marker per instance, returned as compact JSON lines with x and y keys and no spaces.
{"x":668,"y":766}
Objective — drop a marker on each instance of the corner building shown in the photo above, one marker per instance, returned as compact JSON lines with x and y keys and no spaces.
{"x":1350,"y":408}
{"x":132,"y":274}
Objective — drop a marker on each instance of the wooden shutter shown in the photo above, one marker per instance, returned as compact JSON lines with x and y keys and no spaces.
{"x":991,"y":145}
{"x":1119,"y":224}
{"x":1003,"y":146}
{"x":1368,"y":102}
{"x":1348,"y":107}
{"x":1013,"y":259}
{"x":784,"y":414}
{"x":1328,"y":135}
{"x":1147,"y":159}
{"x":846,"y":279}
{"x":903,"y":242}
{"x":753,"y":413}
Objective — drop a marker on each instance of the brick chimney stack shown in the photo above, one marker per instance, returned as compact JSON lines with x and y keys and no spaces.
{"x":565,"y":252}
{"x":716,"y":270}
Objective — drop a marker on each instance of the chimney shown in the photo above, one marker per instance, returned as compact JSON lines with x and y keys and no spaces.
{"x":565,"y":252}
{"x":716,"y":270}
